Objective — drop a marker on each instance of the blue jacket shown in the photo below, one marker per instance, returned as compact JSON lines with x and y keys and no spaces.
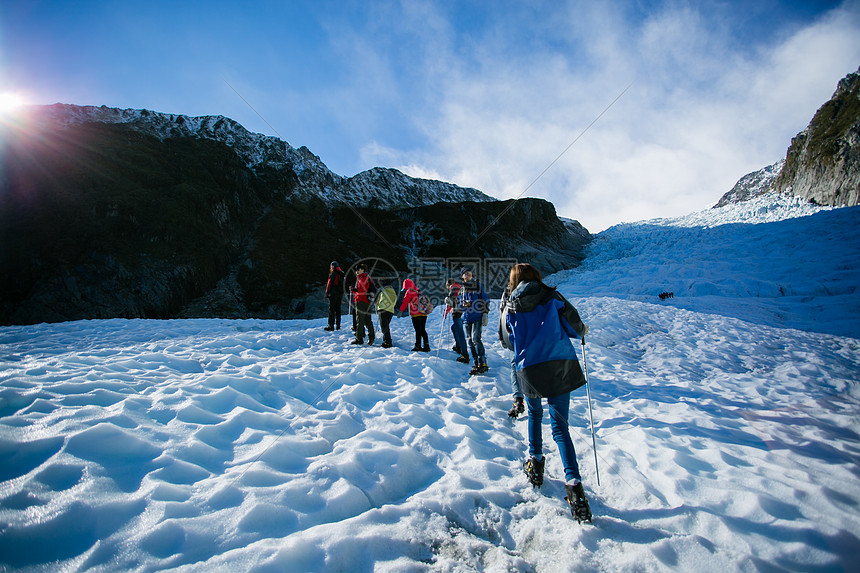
{"x":474,"y":302}
{"x":537,"y":323}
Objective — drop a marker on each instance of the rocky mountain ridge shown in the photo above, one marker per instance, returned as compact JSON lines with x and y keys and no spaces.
{"x":263,"y":153}
{"x":752,"y":185}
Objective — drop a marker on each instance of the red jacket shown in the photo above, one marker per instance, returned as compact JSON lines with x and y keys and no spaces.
{"x":453,"y":295}
{"x":363,"y":287}
{"x":410,"y":298}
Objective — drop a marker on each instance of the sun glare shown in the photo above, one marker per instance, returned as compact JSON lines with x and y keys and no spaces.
{"x":10,"y":102}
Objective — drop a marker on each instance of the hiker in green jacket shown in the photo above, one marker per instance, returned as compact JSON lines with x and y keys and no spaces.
{"x":385,"y":302}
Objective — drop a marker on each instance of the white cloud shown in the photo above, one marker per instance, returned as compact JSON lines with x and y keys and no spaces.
{"x":702,"y":111}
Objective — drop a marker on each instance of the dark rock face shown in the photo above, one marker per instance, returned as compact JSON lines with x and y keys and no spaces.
{"x":107,"y":222}
{"x":823,"y":161}
{"x":118,"y":219}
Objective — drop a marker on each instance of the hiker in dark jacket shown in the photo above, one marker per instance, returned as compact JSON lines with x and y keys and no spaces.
{"x":334,"y":294}
{"x":538,"y":326}
{"x":452,"y":300}
{"x":476,"y":306}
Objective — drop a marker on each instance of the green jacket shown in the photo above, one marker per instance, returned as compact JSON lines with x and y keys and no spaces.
{"x":385,"y":299}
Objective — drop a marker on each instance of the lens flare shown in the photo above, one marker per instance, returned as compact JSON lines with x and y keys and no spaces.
{"x":10,"y":101}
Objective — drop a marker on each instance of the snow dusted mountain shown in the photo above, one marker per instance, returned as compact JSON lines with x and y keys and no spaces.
{"x":403,"y":190}
{"x":726,"y":432}
{"x":752,"y":185}
{"x":378,"y":187}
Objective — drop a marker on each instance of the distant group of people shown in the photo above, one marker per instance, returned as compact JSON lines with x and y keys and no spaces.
{"x":536,"y":323}
{"x":665,"y":295}
{"x":466,"y":302}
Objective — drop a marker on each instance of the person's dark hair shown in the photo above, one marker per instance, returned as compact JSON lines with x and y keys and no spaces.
{"x":523,"y":272}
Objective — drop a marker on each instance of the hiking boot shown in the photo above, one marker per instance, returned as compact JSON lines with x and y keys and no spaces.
{"x":456,"y":349}
{"x":517,"y":409}
{"x":534,"y":471}
{"x":475,"y":370}
{"x":357,"y":341}
{"x":426,"y":348}
{"x":417,"y":348}
{"x":386,"y":345}
{"x":463,"y":359}
{"x":483,"y":368}
{"x":578,"y":502}
{"x":328,"y":328}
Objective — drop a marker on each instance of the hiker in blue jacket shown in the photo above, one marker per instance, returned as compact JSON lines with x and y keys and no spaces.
{"x":538,"y":326}
{"x":476,"y":306}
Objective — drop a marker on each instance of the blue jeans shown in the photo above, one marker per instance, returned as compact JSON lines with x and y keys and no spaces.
{"x":476,"y":345}
{"x":515,"y":382}
{"x":459,"y":336}
{"x":558,"y":409}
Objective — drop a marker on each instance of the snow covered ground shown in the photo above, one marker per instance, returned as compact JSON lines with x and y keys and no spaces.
{"x":726,"y":420}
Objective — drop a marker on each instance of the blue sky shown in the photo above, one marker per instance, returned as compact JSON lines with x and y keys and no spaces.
{"x":482,"y":94}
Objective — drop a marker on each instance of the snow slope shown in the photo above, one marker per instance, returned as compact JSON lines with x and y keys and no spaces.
{"x":216,"y":445}
{"x":773,"y":260}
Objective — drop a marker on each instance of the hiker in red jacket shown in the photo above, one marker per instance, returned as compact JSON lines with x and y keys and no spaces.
{"x":411,"y":296}
{"x":363,"y":296}
{"x":334,"y":294}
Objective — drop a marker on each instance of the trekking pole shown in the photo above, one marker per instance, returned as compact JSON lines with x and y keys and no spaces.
{"x":590,"y":415}
{"x":441,"y":330}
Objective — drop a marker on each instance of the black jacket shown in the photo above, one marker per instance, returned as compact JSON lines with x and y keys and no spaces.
{"x":334,"y":286}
